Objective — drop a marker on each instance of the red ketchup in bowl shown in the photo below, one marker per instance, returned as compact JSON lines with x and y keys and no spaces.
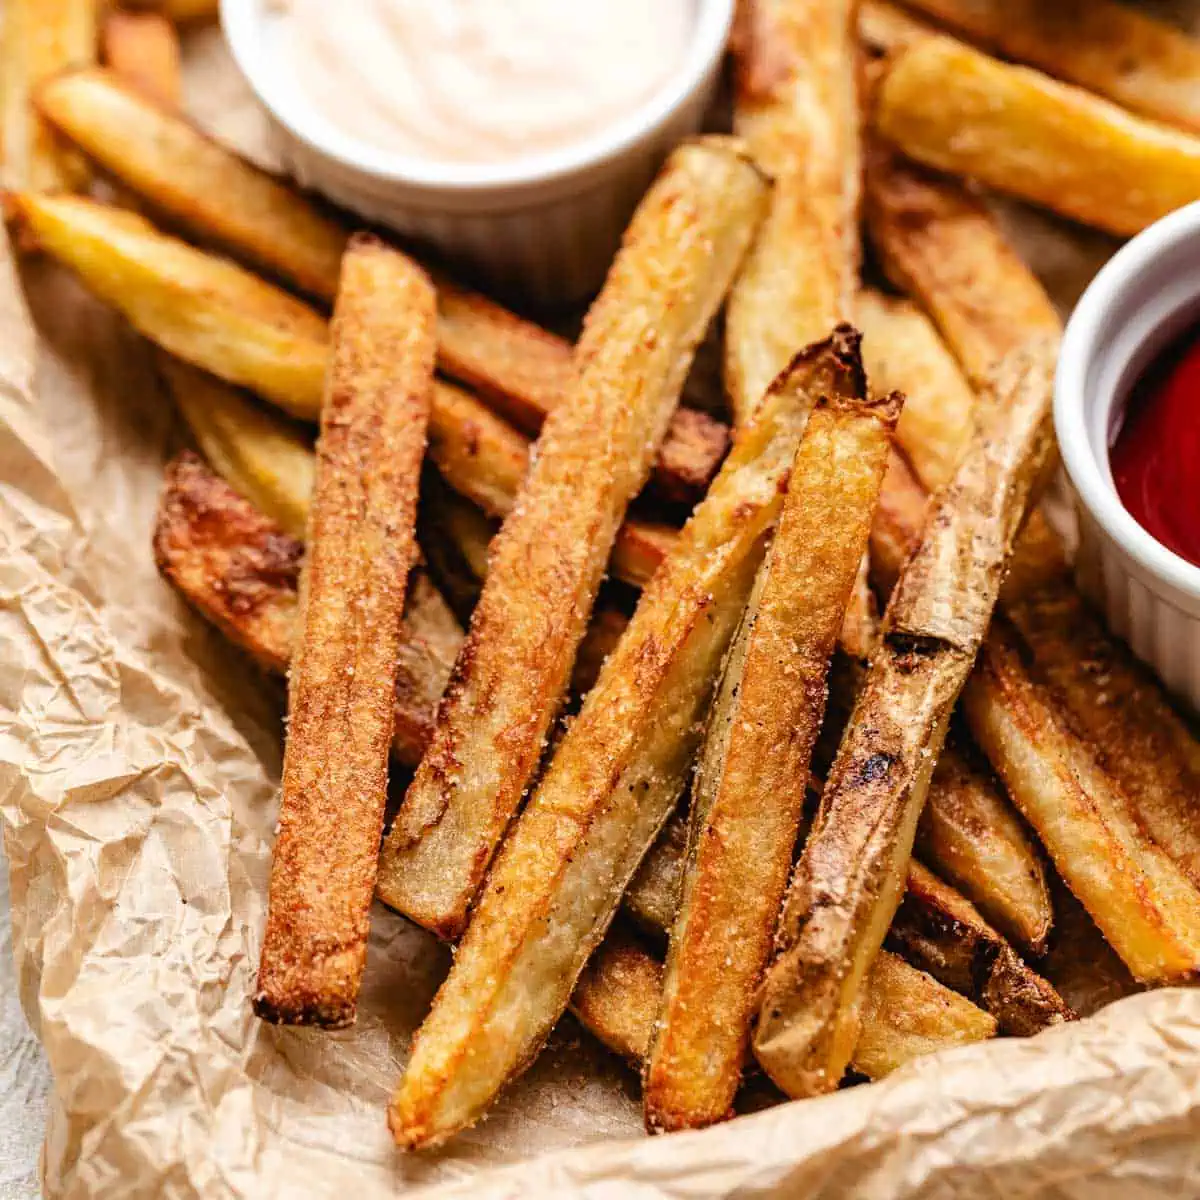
{"x":1156,"y":455}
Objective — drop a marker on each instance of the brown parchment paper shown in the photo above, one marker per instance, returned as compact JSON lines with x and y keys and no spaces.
{"x":139,"y":758}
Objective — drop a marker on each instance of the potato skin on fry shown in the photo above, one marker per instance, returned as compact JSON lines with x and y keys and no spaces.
{"x":1021,"y":132}
{"x":342,"y":679}
{"x":749,"y":789}
{"x":595,"y":452}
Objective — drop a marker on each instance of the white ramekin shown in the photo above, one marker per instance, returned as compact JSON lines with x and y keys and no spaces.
{"x":1144,"y":297}
{"x":545,"y":227}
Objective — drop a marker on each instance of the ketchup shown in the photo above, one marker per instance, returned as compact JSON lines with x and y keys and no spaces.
{"x":1156,"y":456}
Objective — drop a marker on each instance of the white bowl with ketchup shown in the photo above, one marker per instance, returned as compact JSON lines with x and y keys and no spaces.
{"x":515,"y":137}
{"x":1127,"y":413}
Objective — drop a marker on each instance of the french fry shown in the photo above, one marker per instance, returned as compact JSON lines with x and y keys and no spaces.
{"x":939,"y":930}
{"x":942,"y":246}
{"x":214,"y":194}
{"x":1138,"y":62}
{"x":796,"y":103}
{"x":849,"y":879}
{"x":748,"y":795}
{"x":1143,"y":903}
{"x":680,"y":252}
{"x":142,"y":49}
{"x":612,"y":782}
{"x":1021,"y":132}
{"x":904,"y":353}
{"x":883,"y":27}
{"x":653,"y":894}
{"x":40,"y":38}
{"x":241,"y":572}
{"x":342,"y":680}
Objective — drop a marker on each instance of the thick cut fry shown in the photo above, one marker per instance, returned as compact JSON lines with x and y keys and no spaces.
{"x":1021,"y":132}
{"x":200,"y":185}
{"x":241,"y":571}
{"x":39,"y":39}
{"x":682,"y":248}
{"x":904,"y":353}
{"x":849,"y":879}
{"x":204,"y":309}
{"x":748,"y":796}
{"x":943,"y":247}
{"x":796,"y":103}
{"x":1141,"y":63}
{"x":940,"y":931}
{"x":1143,"y":903}
{"x":142,"y":49}
{"x":612,"y":783}
{"x":267,"y":459}
{"x":340,"y":698}
{"x":525,"y":372}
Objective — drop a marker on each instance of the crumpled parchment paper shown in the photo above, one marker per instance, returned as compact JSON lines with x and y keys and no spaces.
{"x":139,"y":757}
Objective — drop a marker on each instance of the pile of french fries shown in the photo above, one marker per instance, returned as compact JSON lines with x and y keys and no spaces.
{"x":660,"y":760}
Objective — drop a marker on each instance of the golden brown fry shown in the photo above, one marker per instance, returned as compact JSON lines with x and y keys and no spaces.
{"x":796,"y":103}
{"x":883,"y":27}
{"x":612,"y":783}
{"x":40,"y":38}
{"x":1143,"y":903}
{"x":748,"y":795}
{"x":525,"y":371}
{"x":904,"y":353}
{"x":681,"y":250}
{"x":204,"y":309}
{"x":950,"y":107}
{"x":907,"y":1014}
{"x":268,"y":460}
{"x":342,"y":679}
{"x":142,"y":49}
{"x":848,"y":882}
{"x":943,"y":247}
{"x":1141,"y":63}
{"x":241,"y":571}
{"x":970,"y":832}
{"x":940,"y":931}
{"x":200,"y":185}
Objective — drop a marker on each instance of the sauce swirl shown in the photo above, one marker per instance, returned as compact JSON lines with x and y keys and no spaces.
{"x":1155,"y":457}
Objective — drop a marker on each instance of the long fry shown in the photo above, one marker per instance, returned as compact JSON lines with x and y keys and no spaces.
{"x":218,"y":196}
{"x":40,"y":38}
{"x":1021,"y":132}
{"x":680,"y":252}
{"x":849,"y":879}
{"x":796,"y":103}
{"x":748,"y":797}
{"x":341,"y":689}
{"x":1109,"y":48}
{"x":142,"y":49}
{"x":612,"y":783}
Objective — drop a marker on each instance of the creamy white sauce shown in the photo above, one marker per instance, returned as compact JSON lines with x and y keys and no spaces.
{"x":480,"y":81}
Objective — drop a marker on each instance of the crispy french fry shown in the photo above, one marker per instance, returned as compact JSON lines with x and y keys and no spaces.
{"x":1141,"y":63}
{"x":1021,"y":132}
{"x":199,"y":184}
{"x":883,"y":27}
{"x":40,"y":38}
{"x":342,"y":680}
{"x":142,"y":49}
{"x":748,"y":795}
{"x":202,"y":308}
{"x":849,"y":879}
{"x":268,"y":460}
{"x":241,"y":571}
{"x":612,"y":783}
{"x":904,"y":353}
{"x":940,"y":931}
{"x":1143,"y":903}
{"x":943,"y":247}
{"x":796,"y":103}
{"x":680,"y":252}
